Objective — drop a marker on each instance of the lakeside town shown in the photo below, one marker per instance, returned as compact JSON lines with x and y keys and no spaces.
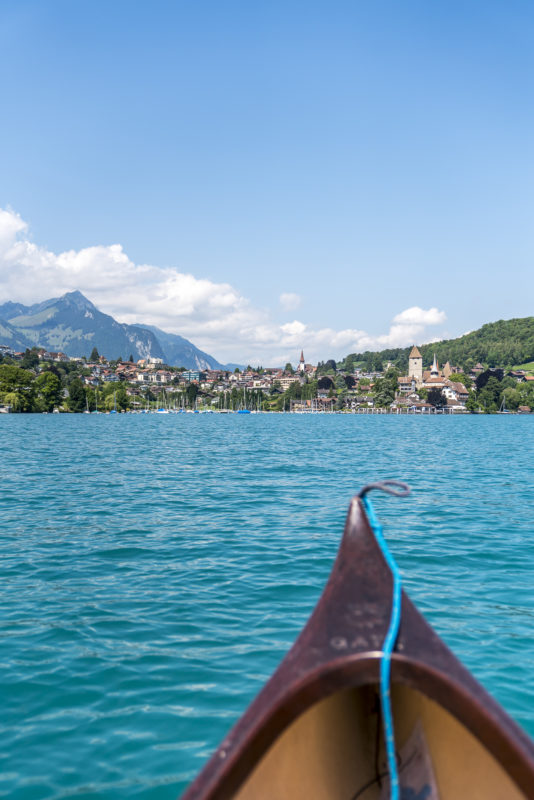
{"x":40,"y":381}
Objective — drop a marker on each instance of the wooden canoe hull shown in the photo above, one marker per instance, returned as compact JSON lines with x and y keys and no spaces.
{"x":330,"y":752}
{"x":312,"y":732}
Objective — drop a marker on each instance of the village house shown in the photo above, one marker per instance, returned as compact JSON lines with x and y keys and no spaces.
{"x":262,"y":382}
{"x":456,"y":392}
{"x":191,"y":375}
{"x":406,"y":385}
{"x":287,"y":380}
{"x":109,"y":377}
{"x":161,"y":376}
{"x":58,"y":357}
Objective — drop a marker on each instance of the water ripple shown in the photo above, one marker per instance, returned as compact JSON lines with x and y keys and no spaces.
{"x":156,"y":569}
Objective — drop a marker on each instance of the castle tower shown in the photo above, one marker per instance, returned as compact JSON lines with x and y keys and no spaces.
{"x":302,"y":366}
{"x":434,"y":372}
{"x":415,"y":365}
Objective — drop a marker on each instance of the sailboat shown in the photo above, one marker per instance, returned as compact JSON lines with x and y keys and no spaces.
{"x":244,"y":409}
{"x":503,"y":409}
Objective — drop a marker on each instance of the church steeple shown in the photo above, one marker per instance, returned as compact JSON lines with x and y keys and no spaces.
{"x":434,"y":372}
{"x":302,"y":365}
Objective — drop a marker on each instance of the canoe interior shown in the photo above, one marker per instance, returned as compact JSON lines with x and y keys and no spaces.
{"x":330,"y":752}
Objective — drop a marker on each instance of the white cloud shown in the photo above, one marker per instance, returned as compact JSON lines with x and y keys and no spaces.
{"x":10,"y":225}
{"x":215,"y":316}
{"x":420,"y":316}
{"x":290,"y":301}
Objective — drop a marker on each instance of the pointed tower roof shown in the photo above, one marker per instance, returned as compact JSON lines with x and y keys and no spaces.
{"x":302,"y":356}
{"x":435,"y":366}
{"x":415,"y":353}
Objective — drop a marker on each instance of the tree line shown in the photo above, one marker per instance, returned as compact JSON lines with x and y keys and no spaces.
{"x":505,"y":343}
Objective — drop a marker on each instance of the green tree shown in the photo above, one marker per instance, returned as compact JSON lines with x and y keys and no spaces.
{"x":30,"y":359}
{"x":288,"y":368}
{"x":18,"y":383}
{"x":384,"y":393}
{"x":110,"y":402}
{"x":121,"y":398}
{"x":309,"y":390}
{"x":461,"y":377}
{"x":325,"y":382}
{"x":48,"y":387}
{"x":94,"y":355}
{"x":191,"y":393}
{"x":489,"y":397}
{"x":11,"y":399}
{"x":436,"y":398}
{"x":378,"y":366}
{"x":512,"y":398}
{"x":131,"y":358}
{"x":77,"y":401}
{"x":471,"y":403}
{"x":385,"y":388}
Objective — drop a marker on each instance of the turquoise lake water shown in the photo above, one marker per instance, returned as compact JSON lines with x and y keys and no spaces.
{"x":155,"y":569}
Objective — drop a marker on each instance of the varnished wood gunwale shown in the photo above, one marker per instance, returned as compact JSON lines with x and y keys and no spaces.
{"x":339,"y":648}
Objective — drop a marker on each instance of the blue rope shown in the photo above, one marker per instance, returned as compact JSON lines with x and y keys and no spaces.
{"x":389,"y":644}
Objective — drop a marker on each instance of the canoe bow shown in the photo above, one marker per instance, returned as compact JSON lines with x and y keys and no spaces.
{"x":340,"y":648}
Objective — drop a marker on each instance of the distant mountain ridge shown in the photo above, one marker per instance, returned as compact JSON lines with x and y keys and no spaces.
{"x":73,"y":325}
{"x":176,"y":347}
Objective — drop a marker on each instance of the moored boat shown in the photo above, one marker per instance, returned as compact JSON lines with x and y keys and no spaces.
{"x":319,"y":728}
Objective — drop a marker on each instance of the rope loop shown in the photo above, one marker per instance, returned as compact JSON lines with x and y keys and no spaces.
{"x":396,"y":488}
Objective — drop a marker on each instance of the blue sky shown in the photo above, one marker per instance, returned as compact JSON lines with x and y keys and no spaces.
{"x":358,"y":159}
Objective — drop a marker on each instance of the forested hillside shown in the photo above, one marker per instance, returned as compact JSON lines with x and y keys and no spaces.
{"x":497,"y":344}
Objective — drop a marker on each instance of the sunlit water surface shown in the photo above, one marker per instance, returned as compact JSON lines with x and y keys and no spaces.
{"x":155,"y":569}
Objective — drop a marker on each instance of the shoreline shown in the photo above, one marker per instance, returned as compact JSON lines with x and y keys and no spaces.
{"x":373,"y":412}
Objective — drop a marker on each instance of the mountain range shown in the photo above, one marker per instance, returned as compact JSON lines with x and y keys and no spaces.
{"x":73,"y":325}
